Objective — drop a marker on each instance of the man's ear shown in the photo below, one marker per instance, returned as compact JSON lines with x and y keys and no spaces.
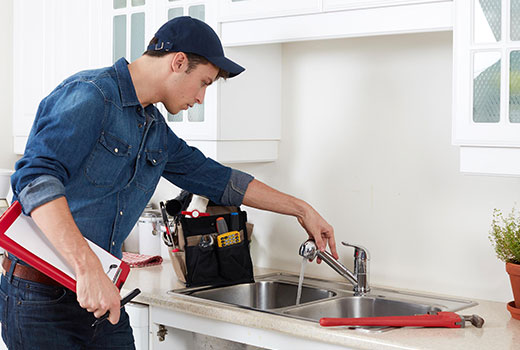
{"x":179,"y":62}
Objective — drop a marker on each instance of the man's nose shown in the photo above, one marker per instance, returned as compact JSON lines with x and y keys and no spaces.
{"x":200,"y":96}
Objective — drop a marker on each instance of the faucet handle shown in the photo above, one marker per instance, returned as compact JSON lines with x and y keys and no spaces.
{"x":359,"y":252}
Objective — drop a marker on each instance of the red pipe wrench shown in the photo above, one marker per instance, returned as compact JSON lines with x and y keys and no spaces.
{"x":438,"y":319}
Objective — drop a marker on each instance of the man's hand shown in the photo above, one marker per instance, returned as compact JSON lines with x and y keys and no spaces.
{"x":319,"y":230}
{"x":96,"y":293}
{"x":261,"y":196}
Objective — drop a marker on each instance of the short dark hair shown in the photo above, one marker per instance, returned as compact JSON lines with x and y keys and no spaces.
{"x":193,"y":59}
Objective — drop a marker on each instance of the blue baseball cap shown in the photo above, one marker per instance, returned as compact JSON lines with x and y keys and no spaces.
{"x":191,"y":35}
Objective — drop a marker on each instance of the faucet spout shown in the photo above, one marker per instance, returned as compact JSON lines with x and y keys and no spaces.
{"x":359,"y":279}
{"x":309,"y":250}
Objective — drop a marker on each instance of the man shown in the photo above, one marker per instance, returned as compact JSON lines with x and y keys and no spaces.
{"x":95,"y":154}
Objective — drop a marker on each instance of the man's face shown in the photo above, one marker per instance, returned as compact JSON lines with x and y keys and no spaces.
{"x":184,"y":89}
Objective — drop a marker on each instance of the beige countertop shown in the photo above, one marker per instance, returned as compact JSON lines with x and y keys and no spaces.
{"x":499,"y":332}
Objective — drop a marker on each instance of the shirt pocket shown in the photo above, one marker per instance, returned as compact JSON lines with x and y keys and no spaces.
{"x":107,"y":160}
{"x":151,"y":169}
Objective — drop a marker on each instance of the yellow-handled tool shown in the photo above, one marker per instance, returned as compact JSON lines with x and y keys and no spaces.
{"x":228,"y":238}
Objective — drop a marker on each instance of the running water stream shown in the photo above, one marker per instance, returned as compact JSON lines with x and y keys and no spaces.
{"x":300,"y":281}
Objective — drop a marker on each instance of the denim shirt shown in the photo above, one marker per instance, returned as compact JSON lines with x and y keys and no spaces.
{"x":93,"y":143}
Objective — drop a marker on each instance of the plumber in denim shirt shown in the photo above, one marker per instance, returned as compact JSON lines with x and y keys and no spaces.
{"x":96,"y":151}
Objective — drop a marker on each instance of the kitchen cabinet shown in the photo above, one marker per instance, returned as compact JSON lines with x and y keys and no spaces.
{"x":131,"y":24}
{"x":51,"y":40}
{"x":486,"y":94}
{"x":178,"y":329}
{"x":338,"y":19}
{"x":139,"y":316}
{"x":55,"y":39}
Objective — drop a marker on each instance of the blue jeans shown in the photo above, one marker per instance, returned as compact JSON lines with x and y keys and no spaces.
{"x":36,"y":316}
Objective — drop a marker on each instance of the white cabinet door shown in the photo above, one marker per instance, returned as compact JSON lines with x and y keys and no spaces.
{"x":486,"y":94}
{"x":486,"y":101}
{"x":52,"y":40}
{"x":29,"y":49}
{"x":139,"y":317}
{"x":129,"y":25}
{"x":232,"y":10}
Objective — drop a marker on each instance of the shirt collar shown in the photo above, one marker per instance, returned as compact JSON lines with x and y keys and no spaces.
{"x":126,"y":86}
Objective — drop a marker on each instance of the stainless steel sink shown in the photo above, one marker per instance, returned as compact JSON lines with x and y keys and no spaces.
{"x":276,"y":294}
{"x":360,"y":307}
{"x":263,"y":295}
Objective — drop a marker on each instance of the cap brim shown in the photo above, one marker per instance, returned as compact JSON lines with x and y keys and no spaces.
{"x":227,"y":65}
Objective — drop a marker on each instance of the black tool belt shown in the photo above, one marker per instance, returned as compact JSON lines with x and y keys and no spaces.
{"x":213,"y":258}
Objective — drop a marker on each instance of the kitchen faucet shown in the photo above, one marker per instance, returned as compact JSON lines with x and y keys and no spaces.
{"x":359,"y":278}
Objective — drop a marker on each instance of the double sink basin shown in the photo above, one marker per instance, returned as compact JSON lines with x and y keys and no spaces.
{"x":276,"y":293}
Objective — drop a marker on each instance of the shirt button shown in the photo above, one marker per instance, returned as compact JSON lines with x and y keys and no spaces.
{"x":154,"y":161}
{"x":113,"y":244}
{"x":116,"y":150}
{"x":139,"y":109}
{"x":140,"y":125}
{"x":121,"y":213}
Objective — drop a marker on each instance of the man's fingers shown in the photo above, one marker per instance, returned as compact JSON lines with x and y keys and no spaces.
{"x":114,"y":315}
{"x":99,"y":312}
{"x":332,"y":245}
{"x":319,"y":242}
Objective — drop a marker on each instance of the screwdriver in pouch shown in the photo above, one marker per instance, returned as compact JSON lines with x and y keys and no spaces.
{"x":225,"y":237}
{"x":221,"y":225}
{"x":233,"y":221}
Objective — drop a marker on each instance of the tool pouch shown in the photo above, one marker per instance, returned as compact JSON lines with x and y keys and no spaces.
{"x":207,"y":263}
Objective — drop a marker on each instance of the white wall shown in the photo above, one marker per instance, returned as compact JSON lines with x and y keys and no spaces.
{"x":366,"y":139}
{"x":7,"y":156}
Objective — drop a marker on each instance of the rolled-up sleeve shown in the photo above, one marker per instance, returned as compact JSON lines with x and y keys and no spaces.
{"x":236,"y":187}
{"x":190,"y":170}
{"x":65,"y":129}
{"x":40,"y":191}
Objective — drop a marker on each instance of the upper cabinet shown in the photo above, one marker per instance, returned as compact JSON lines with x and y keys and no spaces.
{"x":486,"y":94}
{"x":252,"y":22}
{"x":57,"y":38}
{"x":131,"y":23}
{"x":52,"y":39}
{"x":240,"y":119}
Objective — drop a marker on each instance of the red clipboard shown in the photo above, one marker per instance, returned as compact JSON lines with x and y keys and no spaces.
{"x":20,"y":236}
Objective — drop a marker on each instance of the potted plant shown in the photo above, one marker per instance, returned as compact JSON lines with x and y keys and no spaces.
{"x":505,"y":236}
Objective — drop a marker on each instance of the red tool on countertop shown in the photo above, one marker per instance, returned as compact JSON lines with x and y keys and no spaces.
{"x":439,"y":319}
